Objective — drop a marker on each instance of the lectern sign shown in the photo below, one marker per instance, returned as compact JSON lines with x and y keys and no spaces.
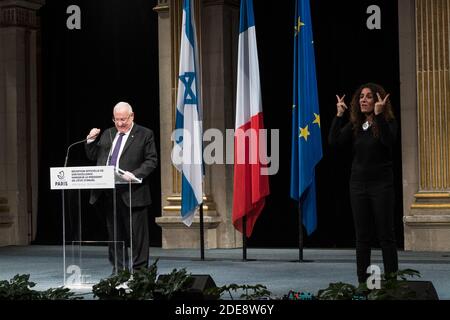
{"x":93,"y":177}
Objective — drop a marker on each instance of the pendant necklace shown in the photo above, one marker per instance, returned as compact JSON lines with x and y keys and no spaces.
{"x":366,"y":125}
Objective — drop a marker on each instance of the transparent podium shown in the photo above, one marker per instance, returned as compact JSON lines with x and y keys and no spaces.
{"x":86,"y":262}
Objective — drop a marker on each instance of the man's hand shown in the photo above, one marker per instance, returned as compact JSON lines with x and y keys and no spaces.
{"x":128,"y":176}
{"x":93,"y":134}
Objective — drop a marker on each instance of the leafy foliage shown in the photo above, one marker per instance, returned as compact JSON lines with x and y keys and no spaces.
{"x":392,"y":288}
{"x":176,"y":282}
{"x":19,"y":288}
{"x":250,"y":292}
{"x":58,"y":294}
{"x":142,"y":285}
{"x":110,"y":288}
{"x":124,"y":286}
{"x":337,"y":291}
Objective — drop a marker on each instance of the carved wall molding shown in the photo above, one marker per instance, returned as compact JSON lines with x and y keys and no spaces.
{"x":15,"y":16}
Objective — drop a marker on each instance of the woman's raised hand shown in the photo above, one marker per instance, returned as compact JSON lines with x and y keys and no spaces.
{"x":341,"y":106}
{"x":380,"y":104}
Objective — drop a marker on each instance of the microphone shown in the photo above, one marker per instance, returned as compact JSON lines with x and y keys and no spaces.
{"x":73,"y":144}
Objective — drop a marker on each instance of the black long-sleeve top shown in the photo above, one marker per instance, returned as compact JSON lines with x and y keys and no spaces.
{"x":372,"y":156}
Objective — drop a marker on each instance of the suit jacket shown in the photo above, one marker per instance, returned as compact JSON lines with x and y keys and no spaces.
{"x":138,"y":156}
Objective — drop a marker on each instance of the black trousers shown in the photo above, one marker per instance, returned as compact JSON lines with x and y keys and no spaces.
{"x":140,"y":232}
{"x":373,"y":207}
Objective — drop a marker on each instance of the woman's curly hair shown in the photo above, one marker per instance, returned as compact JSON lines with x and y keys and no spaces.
{"x":357,"y":118}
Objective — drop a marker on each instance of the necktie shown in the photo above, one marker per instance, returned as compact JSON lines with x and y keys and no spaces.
{"x":115,"y":153}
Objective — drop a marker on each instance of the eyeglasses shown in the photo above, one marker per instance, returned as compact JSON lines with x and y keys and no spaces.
{"x":121,"y":120}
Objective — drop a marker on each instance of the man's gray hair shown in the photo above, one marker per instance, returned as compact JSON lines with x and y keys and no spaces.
{"x":121,"y":106}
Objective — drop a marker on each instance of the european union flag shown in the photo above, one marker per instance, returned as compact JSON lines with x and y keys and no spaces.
{"x":306,"y":136}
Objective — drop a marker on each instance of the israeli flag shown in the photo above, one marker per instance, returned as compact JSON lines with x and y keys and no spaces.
{"x":188,"y":148}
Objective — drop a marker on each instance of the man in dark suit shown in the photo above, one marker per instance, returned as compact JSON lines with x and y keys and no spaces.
{"x":131,"y":148}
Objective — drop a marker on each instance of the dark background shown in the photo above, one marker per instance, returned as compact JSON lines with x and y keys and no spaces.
{"x":348,"y":55}
{"x":114,"y":57}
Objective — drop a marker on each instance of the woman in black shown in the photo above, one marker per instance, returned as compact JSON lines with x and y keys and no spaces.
{"x":372,"y":132}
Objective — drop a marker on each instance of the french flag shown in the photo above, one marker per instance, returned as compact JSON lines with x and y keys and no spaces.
{"x":250,"y":186}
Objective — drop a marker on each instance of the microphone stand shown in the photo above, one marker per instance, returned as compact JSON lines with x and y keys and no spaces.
{"x":68,"y":149}
{"x":64,"y":214}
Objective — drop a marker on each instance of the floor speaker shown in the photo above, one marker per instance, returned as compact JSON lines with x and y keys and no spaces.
{"x":202,"y":282}
{"x":424,"y":290}
{"x":196,"y":286}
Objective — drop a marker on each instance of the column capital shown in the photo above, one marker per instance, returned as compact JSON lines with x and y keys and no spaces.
{"x":163,"y":5}
{"x":20,"y":13}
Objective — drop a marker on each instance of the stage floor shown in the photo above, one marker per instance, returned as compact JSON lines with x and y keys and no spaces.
{"x":275,"y":268}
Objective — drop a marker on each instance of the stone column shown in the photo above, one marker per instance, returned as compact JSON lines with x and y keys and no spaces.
{"x":19,"y":56}
{"x":217,"y":23}
{"x":425,"y":84}
{"x":220,"y":33}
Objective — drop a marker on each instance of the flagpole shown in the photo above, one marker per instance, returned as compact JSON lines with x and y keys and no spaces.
{"x":189,"y":120}
{"x":202,"y":234}
{"x":300,"y":233}
{"x":306,"y":134}
{"x":244,"y":238}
